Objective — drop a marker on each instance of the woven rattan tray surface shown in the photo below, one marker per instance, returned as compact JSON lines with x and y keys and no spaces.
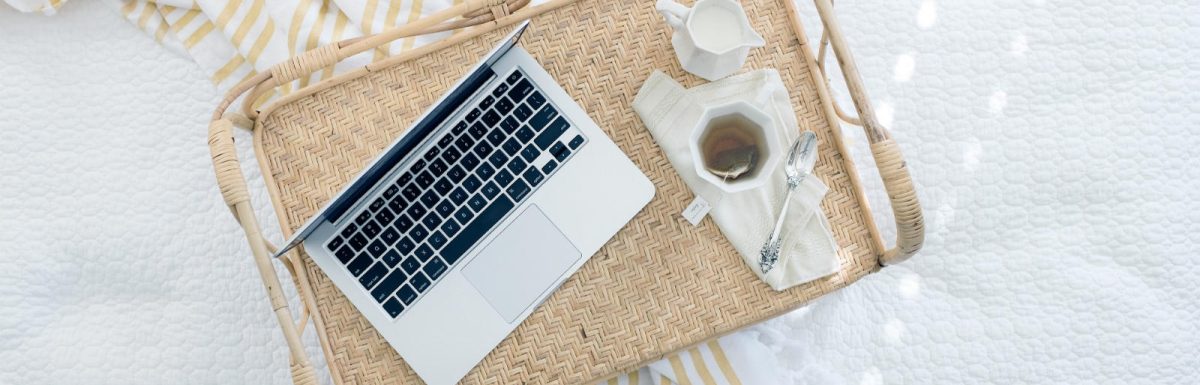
{"x":659,"y":286}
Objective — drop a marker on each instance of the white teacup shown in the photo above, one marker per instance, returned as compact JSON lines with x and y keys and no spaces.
{"x":713,"y":38}
{"x":770,"y":154}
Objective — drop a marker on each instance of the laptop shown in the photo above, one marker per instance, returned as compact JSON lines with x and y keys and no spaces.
{"x":473,"y":217}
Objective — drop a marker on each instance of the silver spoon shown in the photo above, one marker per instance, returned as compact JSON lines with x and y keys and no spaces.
{"x":800,"y":161}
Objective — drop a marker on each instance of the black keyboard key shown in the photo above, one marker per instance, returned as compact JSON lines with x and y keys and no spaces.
{"x":430,"y":198}
{"x":486,"y":171}
{"x":451,"y":155}
{"x":410,"y":265}
{"x":516,"y":165}
{"x":345,"y":254}
{"x":478,"y":202}
{"x":469,"y":162}
{"x":533,"y":176}
{"x":471,"y":116}
{"x":373,"y":275}
{"x":384,"y":216}
{"x":477,"y":229}
{"x":518,"y":190}
{"x":438,"y":167}
{"x":434,"y":268}
{"x":397,"y":205}
{"x":378,"y":203}
{"x":424,"y":252}
{"x":393,"y":307}
{"x":376,"y":249}
{"x":472,"y":183}
{"x":405,"y":246}
{"x":549,"y":166}
{"x":530,"y":152}
{"x":482,"y":149}
{"x":335,"y":243}
{"x":560,"y":151}
{"x":525,"y":134}
{"x":486,"y":102}
{"x":388,"y":286}
{"x":371,"y":229}
{"x":437,"y":240}
{"x":456,"y":174}
{"x":431,"y":221}
{"x":523,"y":112}
{"x":446,"y":140}
{"x":478,"y":130}
{"x":464,"y":214}
{"x":490,"y":118}
{"x":390,"y":236}
{"x":404,"y":179}
{"x":359,"y":265}
{"x":576,"y":142}
{"x":358,"y":242}
{"x":500,"y":90}
{"x":432,"y":154}
{"x":513,"y":77}
{"x":406,"y":294}
{"x":403,"y":223}
{"x":551,"y":133}
{"x":424,"y":179}
{"x":362,"y":217}
{"x":411,"y":192}
{"x":498,"y":159}
{"x":503,"y":106}
{"x":391,"y":258}
{"x":464,"y":143}
{"x":490,"y":190}
{"x":450,"y":228}
{"x":349,"y":230}
{"x":418,"y":233}
{"x":543,"y":118}
{"x":416,"y":167}
{"x":535,"y":100}
{"x":496,"y":137}
{"x":511,"y":146}
{"x":520,"y":90}
{"x":509,"y":125}
{"x":419,"y":282}
{"x":459,"y":195}
{"x":445,"y":209}
{"x":504,"y":178}
{"x":443,"y":187}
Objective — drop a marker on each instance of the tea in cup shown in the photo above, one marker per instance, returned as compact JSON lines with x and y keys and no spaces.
{"x":735,"y":146}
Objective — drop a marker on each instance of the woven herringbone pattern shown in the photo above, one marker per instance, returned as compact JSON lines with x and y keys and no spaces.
{"x":659,"y":286}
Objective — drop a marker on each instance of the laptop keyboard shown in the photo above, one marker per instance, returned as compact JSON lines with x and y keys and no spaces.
{"x":459,"y":189}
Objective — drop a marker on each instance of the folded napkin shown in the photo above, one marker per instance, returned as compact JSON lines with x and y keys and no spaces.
{"x":746,"y":218}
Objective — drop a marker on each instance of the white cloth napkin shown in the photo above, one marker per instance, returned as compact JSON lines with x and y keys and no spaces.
{"x":746,"y":218}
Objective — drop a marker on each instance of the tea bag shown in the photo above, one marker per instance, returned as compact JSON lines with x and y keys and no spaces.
{"x":730,"y":153}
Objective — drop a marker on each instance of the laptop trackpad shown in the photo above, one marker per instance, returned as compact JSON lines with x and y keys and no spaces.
{"x":521,"y":263}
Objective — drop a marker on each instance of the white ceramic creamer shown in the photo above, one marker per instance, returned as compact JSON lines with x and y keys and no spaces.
{"x":713,"y":38}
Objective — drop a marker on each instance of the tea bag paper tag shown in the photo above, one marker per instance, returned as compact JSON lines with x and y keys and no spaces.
{"x":695,"y":211}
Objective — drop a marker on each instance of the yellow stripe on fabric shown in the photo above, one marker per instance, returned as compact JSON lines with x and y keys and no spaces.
{"x":130,"y":5}
{"x":199,"y":34}
{"x":681,"y":376}
{"x":368,"y":18}
{"x":663,"y":380}
{"x":56,"y":3}
{"x":389,"y":21}
{"x":161,"y":32}
{"x":228,"y":68}
{"x":183,"y":21}
{"x":613,"y":381}
{"x":147,"y":12}
{"x":227,"y":13}
{"x":701,"y":367}
{"x":248,"y":22}
{"x":314,"y":36}
{"x":298,"y":17}
{"x":264,"y":37}
{"x":723,"y":363}
{"x":414,"y":14}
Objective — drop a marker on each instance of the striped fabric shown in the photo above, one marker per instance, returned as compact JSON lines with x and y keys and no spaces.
{"x":235,"y":39}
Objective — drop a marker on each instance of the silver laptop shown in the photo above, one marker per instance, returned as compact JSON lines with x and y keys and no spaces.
{"x":473,"y":217}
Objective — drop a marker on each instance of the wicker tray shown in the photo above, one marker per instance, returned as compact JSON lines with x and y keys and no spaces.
{"x":659,"y":286}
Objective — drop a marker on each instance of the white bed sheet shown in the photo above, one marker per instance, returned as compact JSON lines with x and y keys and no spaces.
{"x":1053,"y":146}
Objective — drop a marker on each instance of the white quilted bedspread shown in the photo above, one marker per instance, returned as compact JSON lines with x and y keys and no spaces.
{"x":1053,"y":145}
